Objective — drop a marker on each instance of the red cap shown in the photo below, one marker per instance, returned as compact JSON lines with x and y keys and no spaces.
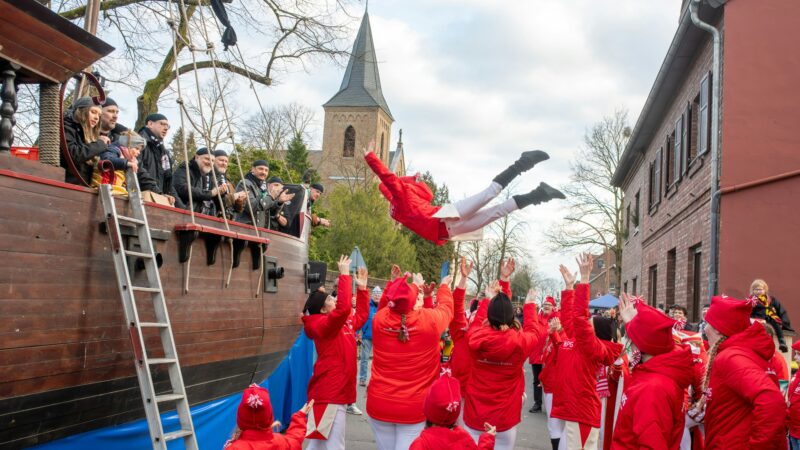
{"x":443,"y":402}
{"x":255,"y":409}
{"x":651,"y":330}
{"x":550,"y":300}
{"x":401,"y":296}
{"x":729,"y":315}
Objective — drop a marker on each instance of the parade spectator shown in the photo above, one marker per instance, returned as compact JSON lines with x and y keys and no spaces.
{"x":254,"y":424}
{"x":768,"y":308}
{"x":328,"y":322}
{"x":405,"y":360}
{"x":199,"y":183}
{"x":258,"y":197}
{"x":120,"y":156}
{"x":366,"y":336}
{"x":315,"y":191}
{"x":442,"y":407}
{"x":232,"y":201}
{"x":84,"y":142}
{"x":743,"y":406}
{"x":546,"y":313}
{"x":155,"y":160}
{"x":108,"y":120}
{"x":701,"y":327}
{"x":793,"y":397}
{"x":680,"y":315}
{"x":651,"y":410}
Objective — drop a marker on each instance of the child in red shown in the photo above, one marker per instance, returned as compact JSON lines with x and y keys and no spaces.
{"x":442,"y":407}
{"x":793,"y":395}
{"x":254,"y":424}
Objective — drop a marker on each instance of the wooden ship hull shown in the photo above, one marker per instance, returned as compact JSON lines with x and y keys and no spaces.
{"x":66,"y":358}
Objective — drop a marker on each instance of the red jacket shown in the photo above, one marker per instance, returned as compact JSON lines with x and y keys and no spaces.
{"x":410,"y":202}
{"x":402,"y":372}
{"x":778,"y":365}
{"x":744,"y":407}
{"x":579,"y":357}
{"x":794,"y":406}
{"x":334,"y":379}
{"x":651,"y":410}
{"x":537,"y":354}
{"x":549,"y":377}
{"x":267,"y":440}
{"x":495,"y":389}
{"x":440,"y":438}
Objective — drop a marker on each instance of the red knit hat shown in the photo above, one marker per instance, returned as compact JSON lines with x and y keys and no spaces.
{"x":796,"y":345}
{"x":729,"y":315}
{"x":401,"y":296}
{"x":550,"y":300}
{"x":255,"y":409}
{"x":651,"y":330}
{"x":443,"y":402}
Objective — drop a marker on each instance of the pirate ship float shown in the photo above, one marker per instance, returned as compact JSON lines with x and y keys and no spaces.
{"x":67,"y":354}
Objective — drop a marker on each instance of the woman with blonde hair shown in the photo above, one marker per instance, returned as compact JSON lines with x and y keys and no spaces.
{"x":768,"y":309}
{"x":83,"y":138}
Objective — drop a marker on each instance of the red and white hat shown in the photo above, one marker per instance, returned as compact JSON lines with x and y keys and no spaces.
{"x":255,"y":410}
{"x":401,"y":296}
{"x":443,"y":402}
{"x":729,"y":315}
{"x":550,"y":300}
{"x":651,"y":330}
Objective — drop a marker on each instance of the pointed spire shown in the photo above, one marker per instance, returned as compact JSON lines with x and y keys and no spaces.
{"x":361,"y":84}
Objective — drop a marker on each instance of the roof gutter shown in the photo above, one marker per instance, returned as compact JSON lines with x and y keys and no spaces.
{"x":716,"y":83}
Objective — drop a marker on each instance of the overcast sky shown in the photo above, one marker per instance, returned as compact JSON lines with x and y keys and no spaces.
{"x":473,"y":83}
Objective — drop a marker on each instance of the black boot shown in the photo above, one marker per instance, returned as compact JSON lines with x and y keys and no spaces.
{"x":554,"y":443}
{"x":536,"y":408}
{"x":525,"y":162}
{"x":544,"y":192}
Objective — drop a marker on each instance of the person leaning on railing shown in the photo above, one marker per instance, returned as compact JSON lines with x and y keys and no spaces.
{"x":199,"y":183}
{"x":84,"y":142}
{"x":116,"y":160}
{"x":258,"y":195}
{"x":232,"y":201}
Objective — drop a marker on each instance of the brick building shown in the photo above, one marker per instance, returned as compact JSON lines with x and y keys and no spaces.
{"x":666,"y":168}
{"x":603,"y":279}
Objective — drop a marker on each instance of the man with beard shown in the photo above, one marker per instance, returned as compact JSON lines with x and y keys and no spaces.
{"x":108,"y":120}
{"x":199,"y":183}
{"x":232,"y":202}
{"x":259,"y":197}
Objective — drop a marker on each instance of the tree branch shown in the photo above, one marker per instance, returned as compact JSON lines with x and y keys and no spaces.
{"x":80,"y":11}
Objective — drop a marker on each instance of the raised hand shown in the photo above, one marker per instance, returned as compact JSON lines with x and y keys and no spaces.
{"x":531,"y":297}
{"x":489,"y":428}
{"x":465,"y":271}
{"x":493,"y":289}
{"x":362,"y":277}
{"x":307,"y":407}
{"x":344,"y":265}
{"x":569,"y":277}
{"x":285,"y":196}
{"x":396,"y":272}
{"x":427,"y":289}
{"x":585,"y":263}
{"x":507,"y":269}
{"x":627,"y":309}
{"x":555,"y":325}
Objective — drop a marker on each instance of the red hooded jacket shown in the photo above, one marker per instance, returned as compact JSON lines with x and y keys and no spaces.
{"x":402,"y":372}
{"x":334,"y":379}
{"x":495,"y":389}
{"x":267,"y":440}
{"x":579,"y":357}
{"x":651,"y":410}
{"x":744,"y":407}
{"x":440,"y":438}
{"x":794,"y":406}
{"x":410,"y":202}
{"x":537,"y":354}
{"x":549,"y":377}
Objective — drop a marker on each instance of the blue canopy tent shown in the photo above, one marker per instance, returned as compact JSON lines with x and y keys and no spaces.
{"x":606,"y":301}
{"x":356,"y":261}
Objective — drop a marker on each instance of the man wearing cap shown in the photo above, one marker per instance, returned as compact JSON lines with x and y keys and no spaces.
{"x":259,"y":201}
{"x":315,"y":191}
{"x":232,"y":202}
{"x":276,"y":219}
{"x":155,"y":160}
{"x":108,"y":120}
{"x":199,"y":183}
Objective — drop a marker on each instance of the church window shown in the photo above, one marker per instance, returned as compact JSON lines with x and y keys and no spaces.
{"x":382,"y":146}
{"x":349,"y":149}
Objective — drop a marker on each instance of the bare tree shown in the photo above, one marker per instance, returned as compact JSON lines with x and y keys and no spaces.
{"x":508,"y":233}
{"x":214,"y":114}
{"x":272,"y":129}
{"x":595,"y":219}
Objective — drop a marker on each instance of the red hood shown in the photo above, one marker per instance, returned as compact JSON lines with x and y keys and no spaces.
{"x":444,"y":438}
{"x":754,"y":338}
{"x":675,"y":365}
{"x":493,"y":343}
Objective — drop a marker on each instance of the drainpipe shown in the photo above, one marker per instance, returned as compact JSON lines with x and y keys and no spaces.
{"x":716,"y":83}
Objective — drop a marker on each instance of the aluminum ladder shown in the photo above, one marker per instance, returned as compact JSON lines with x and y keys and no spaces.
{"x":154,"y":291}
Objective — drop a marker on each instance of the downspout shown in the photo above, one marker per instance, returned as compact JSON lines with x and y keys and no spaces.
{"x":716,"y":83}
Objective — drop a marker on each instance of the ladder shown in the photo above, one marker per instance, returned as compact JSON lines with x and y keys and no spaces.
{"x":154,"y":291}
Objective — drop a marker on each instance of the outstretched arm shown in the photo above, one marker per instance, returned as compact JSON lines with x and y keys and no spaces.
{"x":387,"y":177}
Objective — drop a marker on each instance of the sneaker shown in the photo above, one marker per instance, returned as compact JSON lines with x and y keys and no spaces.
{"x":535,"y":409}
{"x":353,"y":409}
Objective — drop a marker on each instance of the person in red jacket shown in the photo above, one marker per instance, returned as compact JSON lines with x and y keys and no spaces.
{"x":548,"y":378}
{"x":575,"y":399}
{"x":254,"y":424}
{"x":547,"y":312}
{"x":744,"y":408}
{"x":328,"y":322}
{"x":405,"y":360}
{"x":410,"y":201}
{"x":793,"y":396}
{"x":442,"y":408}
{"x":651,"y":409}
{"x":497,"y":384}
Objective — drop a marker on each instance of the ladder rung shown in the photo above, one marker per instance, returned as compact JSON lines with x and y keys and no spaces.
{"x":152,"y":361}
{"x":131,"y":220}
{"x":169,"y":397}
{"x":145,"y":289}
{"x":153,"y":325}
{"x":177,"y":435}
{"x":139,"y":254}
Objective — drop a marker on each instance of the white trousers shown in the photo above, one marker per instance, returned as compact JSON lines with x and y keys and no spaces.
{"x":336,"y":437}
{"x":686,"y":440}
{"x":472,"y":217}
{"x":554,"y":426}
{"x":572,"y":438}
{"x":601,"y":435}
{"x":394,"y":436}
{"x":502,"y":441}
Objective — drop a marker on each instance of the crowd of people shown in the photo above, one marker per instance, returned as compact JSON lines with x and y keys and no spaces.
{"x":103,"y":151}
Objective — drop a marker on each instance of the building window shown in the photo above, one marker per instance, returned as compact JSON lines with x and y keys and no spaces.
{"x":694,"y":112}
{"x":688,"y":138}
{"x":704,"y":125}
{"x":693,"y":280}
{"x":633,"y":286}
{"x":635,"y":217}
{"x":652,"y":285}
{"x":349,"y":149}
{"x":625,"y":287}
{"x":671,"y":277}
{"x":679,"y":139}
{"x":628,"y":221}
{"x":669,"y":161}
{"x":383,"y":154}
{"x":654,"y":195}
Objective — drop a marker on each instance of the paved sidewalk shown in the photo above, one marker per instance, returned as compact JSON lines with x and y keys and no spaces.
{"x":531,"y":434}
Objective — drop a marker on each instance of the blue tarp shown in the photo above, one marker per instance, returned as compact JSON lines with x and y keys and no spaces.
{"x":606,"y":301}
{"x":213,"y":421}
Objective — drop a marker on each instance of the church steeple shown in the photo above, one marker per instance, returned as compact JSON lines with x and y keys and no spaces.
{"x":361,"y":85}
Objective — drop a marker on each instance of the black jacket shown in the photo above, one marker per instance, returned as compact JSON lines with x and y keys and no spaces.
{"x":116,"y":132}
{"x":259,"y":200}
{"x":156,"y":164}
{"x":82,"y":153}
{"x":200,"y":186}
{"x":760,"y":312}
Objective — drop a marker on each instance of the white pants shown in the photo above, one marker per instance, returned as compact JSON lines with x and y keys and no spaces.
{"x":472,"y":217}
{"x":335,"y":437}
{"x":554,"y":426}
{"x":600,"y":436}
{"x":686,"y":440}
{"x":502,"y":441}
{"x":572,"y":438}
{"x":395,"y":436}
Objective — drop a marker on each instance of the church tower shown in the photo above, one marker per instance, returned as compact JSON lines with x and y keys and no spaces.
{"x":357,"y":114}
